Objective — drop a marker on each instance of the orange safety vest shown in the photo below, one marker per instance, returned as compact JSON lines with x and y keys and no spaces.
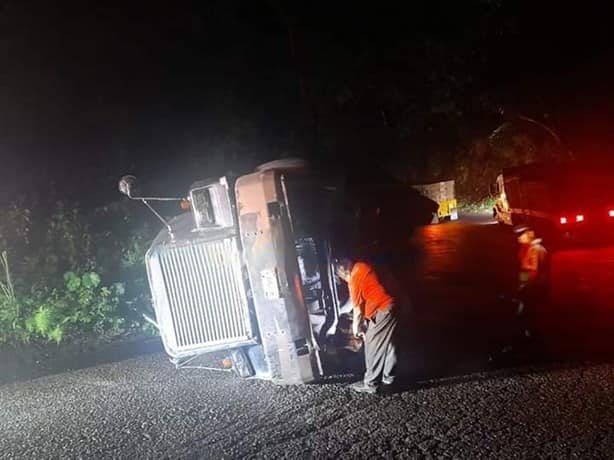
{"x":532,"y":259}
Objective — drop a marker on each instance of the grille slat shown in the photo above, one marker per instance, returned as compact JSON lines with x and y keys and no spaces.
{"x":186,"y":322}
{"x":205,"y":294}
{"x":189,"y":308}
{"x":174,"y":298}
{"x":201,"y":313}
{"x":228,"y":293}
{"x":216,"y":326}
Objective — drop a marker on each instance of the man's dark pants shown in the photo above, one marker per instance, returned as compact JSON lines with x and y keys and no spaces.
{"x":533,"y":297}
{"x":380,"y":347}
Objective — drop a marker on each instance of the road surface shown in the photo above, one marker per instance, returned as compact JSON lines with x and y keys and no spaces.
{"x":553,"y":403}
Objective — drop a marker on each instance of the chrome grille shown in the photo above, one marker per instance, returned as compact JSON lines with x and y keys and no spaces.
{"x":205,"y":294}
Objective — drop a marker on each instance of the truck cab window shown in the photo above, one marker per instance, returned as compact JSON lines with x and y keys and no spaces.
{"x":202,"y":207}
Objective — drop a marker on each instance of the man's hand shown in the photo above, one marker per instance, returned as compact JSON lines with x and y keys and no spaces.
{"x":357,"y":322}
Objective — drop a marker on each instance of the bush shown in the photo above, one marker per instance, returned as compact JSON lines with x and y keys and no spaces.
{"x":477,"y":206}
{"x":81,"y":307}
{"x":53,"y":289}
{"x":10,"y":313}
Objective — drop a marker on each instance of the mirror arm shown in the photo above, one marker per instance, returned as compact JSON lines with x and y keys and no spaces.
{"x":153,"y":198}
{"x":162,"y":219}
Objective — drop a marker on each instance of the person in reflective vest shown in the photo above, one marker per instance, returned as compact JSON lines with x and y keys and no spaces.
{"x":533,"y":278}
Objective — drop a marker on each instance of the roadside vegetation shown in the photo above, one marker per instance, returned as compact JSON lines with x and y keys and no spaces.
{"x":478,"y":206}
{"x":68,"y":275}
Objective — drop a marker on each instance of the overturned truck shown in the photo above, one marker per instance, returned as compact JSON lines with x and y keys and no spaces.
{"x":249,"y":270}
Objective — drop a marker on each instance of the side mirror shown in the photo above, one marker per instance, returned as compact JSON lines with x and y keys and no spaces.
{"x":127,"y":185}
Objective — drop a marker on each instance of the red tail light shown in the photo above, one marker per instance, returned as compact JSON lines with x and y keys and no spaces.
{"x":579,"y":218}
{"x":611,"y":212}
{"x":563,"y":220}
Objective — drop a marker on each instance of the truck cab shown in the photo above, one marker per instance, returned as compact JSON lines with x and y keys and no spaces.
{"x":250,"y":270}
{"x":568,"y":202}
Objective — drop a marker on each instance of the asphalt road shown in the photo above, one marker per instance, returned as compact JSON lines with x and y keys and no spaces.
{"x":553,"y":403}
{"x":143,"y":408}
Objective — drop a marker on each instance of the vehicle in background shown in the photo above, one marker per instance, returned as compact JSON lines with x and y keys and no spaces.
{"x":249,"y":271}
{"x":443,"y":194}
{"x":568,"y":202}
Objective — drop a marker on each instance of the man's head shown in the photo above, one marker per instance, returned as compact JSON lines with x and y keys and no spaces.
{"x":525,"y":234}
{"x":343,"y":268}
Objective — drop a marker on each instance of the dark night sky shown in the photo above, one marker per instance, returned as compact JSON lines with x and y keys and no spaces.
{"x":89,"y":91}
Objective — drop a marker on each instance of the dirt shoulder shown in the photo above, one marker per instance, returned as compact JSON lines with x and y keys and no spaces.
{"x":32,"y":361}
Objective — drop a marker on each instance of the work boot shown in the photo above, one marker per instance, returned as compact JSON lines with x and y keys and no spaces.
{"x":362,"y":387}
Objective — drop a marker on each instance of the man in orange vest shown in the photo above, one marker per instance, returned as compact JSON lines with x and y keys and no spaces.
{"x":533,"y":276}
{"x":376,"y":306}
